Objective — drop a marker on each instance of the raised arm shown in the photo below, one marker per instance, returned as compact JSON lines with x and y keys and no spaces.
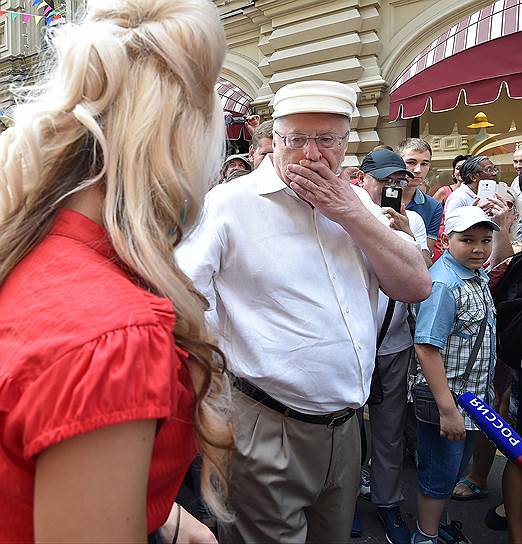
{"x":391,"y":257}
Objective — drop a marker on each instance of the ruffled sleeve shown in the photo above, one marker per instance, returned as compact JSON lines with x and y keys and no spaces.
{"x":126,"y":374}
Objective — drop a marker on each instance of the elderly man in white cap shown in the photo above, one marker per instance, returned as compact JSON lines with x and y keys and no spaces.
{"x":290,"y":258}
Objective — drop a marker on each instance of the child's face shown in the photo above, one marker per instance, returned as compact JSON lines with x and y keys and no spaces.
{"x":470,"y":248}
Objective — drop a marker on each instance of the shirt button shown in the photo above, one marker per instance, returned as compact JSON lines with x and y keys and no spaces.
{"x":346,"y":311}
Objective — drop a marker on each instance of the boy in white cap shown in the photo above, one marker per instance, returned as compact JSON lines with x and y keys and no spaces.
{"x":290,"y":257}
{"x":452,"y":324}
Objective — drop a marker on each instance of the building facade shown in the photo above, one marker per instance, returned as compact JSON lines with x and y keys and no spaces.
{"x":365,"y":43}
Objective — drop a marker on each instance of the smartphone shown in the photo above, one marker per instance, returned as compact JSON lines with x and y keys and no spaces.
{"x":391,"y":198}
{"x":502,"y":189}
{"x":486,"y":189}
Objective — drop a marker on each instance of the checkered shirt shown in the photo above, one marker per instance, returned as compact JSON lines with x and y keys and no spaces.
{"x":450,"y":320}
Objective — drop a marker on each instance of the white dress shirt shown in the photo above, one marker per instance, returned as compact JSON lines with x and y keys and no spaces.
{"x":461,"y":196}
{"x":295,"y":300}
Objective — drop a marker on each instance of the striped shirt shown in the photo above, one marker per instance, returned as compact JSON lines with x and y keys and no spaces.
{"x":450,"y":320}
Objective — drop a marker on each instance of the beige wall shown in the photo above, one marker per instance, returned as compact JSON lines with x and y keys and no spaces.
{"x":365,"y":43}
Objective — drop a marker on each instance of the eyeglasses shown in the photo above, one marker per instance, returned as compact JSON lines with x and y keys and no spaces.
{"x":298,"y":141}
{"x":490,"y":170}
{"x":394,"y":182}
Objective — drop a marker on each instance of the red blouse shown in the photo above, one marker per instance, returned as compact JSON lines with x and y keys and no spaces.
{"x":83,"y":347}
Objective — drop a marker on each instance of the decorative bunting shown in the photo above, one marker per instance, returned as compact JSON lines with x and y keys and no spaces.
{"x":51,"y":16}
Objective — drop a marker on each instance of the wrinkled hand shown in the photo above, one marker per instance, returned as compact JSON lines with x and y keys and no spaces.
{"x":191,"y":531}
{"x":318,"y":185}
{"x":497,"y":208}
{"x":398,"y":221}
{"x":452,"y":425}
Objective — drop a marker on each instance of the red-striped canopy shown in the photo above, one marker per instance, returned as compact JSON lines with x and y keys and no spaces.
{"x":474,"y":58}
{"x":236,"y":102}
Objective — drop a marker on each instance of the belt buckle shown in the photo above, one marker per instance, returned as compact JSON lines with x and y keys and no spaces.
{"x":340,"y":419}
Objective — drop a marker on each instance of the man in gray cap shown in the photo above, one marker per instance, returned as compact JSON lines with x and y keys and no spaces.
{"x":234,"y":163}
{"x":387,"y":405}
{"x":290,"y":258}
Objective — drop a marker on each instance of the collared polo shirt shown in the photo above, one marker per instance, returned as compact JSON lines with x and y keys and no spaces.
{"x":429,"y":209}
{"x":450,"y":318}
{"x":293,"y":299}
{"x":461,"y":196}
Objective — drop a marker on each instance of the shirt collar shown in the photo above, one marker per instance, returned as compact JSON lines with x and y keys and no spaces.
{"x":72,"y":224}
{"x":266,"y":180}
{"x":468,"y":190}
{"x":463,"y":272}
{"x":419,"y":197}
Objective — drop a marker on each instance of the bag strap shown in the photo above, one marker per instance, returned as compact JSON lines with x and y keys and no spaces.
{"x":386,"y":323}
{"x":477,"y":345}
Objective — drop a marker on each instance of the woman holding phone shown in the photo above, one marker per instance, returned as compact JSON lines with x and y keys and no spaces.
{"x":109,"y":383}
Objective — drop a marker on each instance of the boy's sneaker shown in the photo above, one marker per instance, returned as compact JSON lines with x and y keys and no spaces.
{"x":365,"y":490}
{"x":395,"y":527}
{"x":417,"y":538}
{"x":452,"y":533}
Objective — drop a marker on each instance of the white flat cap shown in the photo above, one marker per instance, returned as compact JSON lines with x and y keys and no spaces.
{"x":314,"y":97}
{"x":465,"y":217}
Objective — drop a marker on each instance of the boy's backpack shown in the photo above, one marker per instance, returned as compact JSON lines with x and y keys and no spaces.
{"x":507,"y":295}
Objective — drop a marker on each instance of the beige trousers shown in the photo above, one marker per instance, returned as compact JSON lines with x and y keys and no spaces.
{"x":292,"y":482}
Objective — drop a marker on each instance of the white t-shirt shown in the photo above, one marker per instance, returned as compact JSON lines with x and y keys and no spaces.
{"x":295,"y":299}
{"x":398,"y":337}
{"x":461,"y":196}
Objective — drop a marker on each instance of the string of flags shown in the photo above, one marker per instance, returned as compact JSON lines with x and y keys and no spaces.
{"x":50,"y":15}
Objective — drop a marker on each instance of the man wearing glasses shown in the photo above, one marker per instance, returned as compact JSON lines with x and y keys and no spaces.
{"x":472,"y":171}
{"x":383,"y":168}
{"x":290,"y":258}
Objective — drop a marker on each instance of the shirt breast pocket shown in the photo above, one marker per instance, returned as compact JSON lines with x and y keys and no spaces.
{"x":468,"y":323}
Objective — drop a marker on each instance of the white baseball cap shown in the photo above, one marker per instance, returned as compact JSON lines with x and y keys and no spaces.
{"x":463,"y":218}
{"x":315,"y":97}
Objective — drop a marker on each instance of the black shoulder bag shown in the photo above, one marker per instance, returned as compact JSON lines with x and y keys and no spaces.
{"x":426,"y":409}
{"x":376,"y":392}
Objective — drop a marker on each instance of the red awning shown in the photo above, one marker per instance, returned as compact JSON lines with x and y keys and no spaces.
{"x":236,"y":103}
{"x":474,"y":58}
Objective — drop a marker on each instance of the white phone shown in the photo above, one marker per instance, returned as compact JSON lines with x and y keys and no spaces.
{"x":502,"y":189}
{"x":486,"y":189}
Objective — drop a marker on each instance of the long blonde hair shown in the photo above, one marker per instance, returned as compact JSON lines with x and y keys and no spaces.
{"x":130,"y":107}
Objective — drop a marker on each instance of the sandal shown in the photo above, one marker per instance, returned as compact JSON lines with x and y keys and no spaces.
{"x":476,"y":491}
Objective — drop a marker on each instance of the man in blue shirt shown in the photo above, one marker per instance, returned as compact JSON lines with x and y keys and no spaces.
{"x":416,"y":153}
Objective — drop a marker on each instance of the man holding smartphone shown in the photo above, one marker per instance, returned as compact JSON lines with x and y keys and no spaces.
{"x":383,"y":170}
{"x":472,"y":172}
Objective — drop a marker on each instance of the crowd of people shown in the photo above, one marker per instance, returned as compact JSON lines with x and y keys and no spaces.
{"x":156,"y":334}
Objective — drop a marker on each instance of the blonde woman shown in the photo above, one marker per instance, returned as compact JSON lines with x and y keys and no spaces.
{"x":108,"y":381}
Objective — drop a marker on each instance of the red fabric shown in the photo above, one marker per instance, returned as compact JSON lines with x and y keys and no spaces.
{"x":479,"y":71}
{"x":83,"y":347}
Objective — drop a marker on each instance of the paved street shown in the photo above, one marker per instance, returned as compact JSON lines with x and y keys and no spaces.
{"x":471,"y":513}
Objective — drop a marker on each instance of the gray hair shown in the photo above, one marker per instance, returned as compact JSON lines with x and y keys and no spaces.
{"x":470,"y":168}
